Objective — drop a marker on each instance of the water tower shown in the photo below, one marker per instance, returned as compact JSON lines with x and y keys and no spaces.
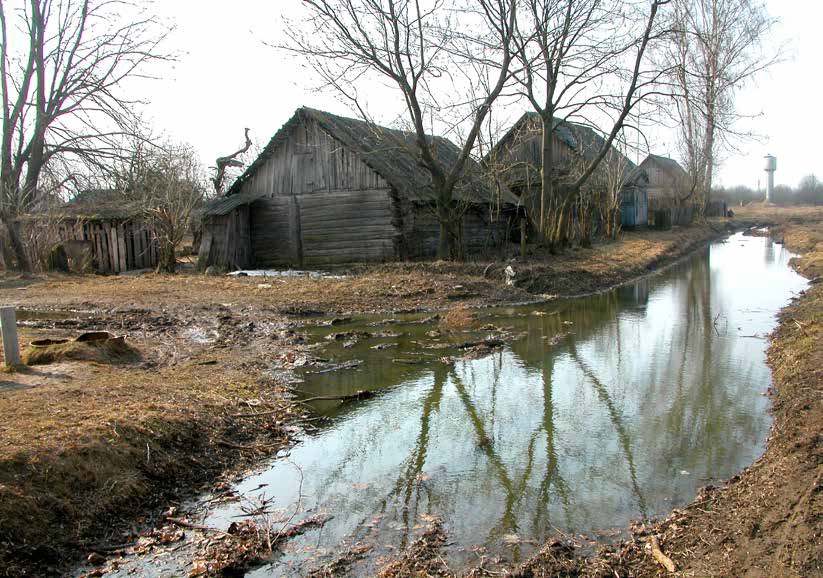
{"x":771,"y":166}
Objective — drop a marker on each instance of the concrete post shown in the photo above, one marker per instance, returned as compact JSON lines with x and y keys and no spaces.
{"x":11,"y":346}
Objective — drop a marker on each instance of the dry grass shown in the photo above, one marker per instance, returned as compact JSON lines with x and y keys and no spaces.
{"x":772,"y":214}
{"x":104,"y":444}
{"x":457,"y":318}
{"x":108,"y":351}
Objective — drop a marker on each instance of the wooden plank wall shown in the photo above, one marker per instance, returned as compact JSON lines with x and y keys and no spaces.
{"x":118,"y":245}
{"x":526,"y":149}
{"x":481,"y":235}
{"x":311,"y":161}
{"x":347,"y":226}
{"x":274,"y":232}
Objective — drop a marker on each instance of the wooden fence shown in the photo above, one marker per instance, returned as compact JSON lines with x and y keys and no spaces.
{"x":117,"y":244}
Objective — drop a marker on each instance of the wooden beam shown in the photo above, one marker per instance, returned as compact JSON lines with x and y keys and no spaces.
{"x":11,"y":345}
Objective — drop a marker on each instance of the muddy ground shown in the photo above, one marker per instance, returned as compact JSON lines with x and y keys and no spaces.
{"x":92,"y":453}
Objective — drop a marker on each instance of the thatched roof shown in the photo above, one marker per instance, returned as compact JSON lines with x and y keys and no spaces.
{"x":99,"y":204}
{"x":393,"y":154}
{"x":581,"y":138}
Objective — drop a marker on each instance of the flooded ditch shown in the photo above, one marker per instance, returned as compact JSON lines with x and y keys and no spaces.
{"x":593,"y":412}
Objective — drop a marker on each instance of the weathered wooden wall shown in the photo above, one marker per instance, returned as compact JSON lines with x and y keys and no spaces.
{"x":275,"y":232}
{"x":311,"y":229}
{"x":118,"y":244}
{"x":341,"y":227}
{"x":481,"y":234}
{"x":226,"y":241}
{"x":634,"y":206}
{"x":523,"y":155}
{"x":311,"y":161}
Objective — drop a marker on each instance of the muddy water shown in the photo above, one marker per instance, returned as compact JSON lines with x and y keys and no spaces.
{"x":610,"y":408}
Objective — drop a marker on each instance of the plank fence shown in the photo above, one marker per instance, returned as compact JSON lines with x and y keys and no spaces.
{"x":117,"y":245}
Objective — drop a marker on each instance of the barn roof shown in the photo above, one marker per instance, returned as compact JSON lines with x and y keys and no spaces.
{"x":101,"y":204}
{"x":578,"y":137}
{"x":561,"y":129}
{"x":391,"y":153}
{"x":226,"y":204}
{"x":670,"y":166}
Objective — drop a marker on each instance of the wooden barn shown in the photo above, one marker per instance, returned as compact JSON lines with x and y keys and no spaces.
{"x":328,"y":189}
{"x":517,"y":158}
{"x":101,"y":224}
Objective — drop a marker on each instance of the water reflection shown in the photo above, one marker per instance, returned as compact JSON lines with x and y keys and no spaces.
{"x":612,"y":407}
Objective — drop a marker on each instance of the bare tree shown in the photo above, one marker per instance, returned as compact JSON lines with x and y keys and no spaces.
{"x":609,"y":182}
{"x":422,"y":50}
{"x":575,"y":56}
{"x":715,"y":48}
{"x":166,"y":184}
{"x":63,"y":66}
{"x":226,"y":162}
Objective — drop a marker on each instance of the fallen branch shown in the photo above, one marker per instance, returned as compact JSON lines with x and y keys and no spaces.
{"x":358,"y":395}
{"x":257,"y":414}
{"x":801,"y":327}
{"x":654,"y":546}
{"x":186,"y":524}
{"x":347,"y":365}
{"x":254,"y":448}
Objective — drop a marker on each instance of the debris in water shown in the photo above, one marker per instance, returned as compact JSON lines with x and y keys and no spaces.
{"x":348,"y":365}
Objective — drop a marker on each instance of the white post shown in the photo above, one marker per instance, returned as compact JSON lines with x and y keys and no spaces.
{"x":11,"y":347}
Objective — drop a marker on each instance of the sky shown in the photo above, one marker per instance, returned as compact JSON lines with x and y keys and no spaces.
{"x":228,"y":77}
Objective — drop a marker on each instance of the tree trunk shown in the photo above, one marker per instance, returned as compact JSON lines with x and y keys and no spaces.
{"x":547,"y":199}
{"x":450,"y":241}
{"x":21,"y":260}
{"x":168,"y":259}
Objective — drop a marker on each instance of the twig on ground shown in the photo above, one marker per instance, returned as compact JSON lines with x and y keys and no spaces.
{"x":654,"y":547}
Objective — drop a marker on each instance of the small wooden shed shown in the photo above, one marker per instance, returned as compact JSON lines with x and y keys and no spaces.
{"x":329,"y":189}
{"x":517,"y":157}
{"x":667,"y":181}
{"x":116,"y":236}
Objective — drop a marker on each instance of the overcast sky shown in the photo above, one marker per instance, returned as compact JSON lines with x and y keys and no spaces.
{"x":226,"y":79}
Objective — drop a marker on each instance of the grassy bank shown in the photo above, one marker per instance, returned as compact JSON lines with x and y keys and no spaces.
{"x":87,"y":450}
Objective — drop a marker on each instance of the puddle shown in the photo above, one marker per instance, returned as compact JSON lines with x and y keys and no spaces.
{"x":284,"y":273}
{"x":609,"y":408}
{"x":200,"y":335}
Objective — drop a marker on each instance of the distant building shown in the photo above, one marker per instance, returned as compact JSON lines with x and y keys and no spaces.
{"x":328,"y":189}
{"x":668,"y":181}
